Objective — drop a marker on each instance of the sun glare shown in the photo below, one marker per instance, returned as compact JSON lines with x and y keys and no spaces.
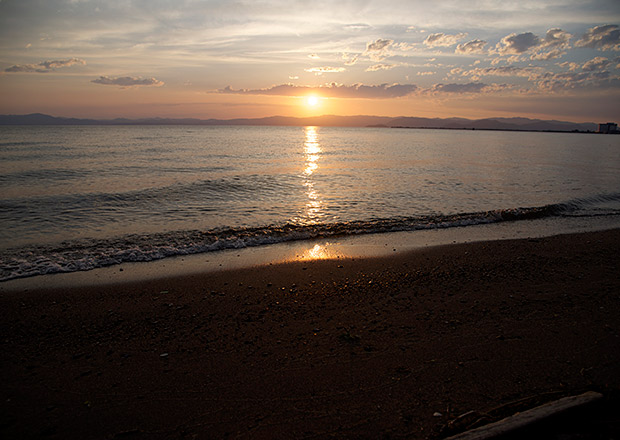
{"x":312,"y":100}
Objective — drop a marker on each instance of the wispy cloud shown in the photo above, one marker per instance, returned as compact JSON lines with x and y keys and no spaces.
{"x":458,"y":88}
{"x":325,"y":69}
{"x":377,"y":67}
{"x":362,"y":91}
{"x":127,"y":81}
{"x":505,"y":71}
{"x":569,"y":65}
{"x":45,"y":66}
{"x":333,"y":90}
{"x":443,"y":40}
{"x":349,"y":60}
{"x":551,"y":55}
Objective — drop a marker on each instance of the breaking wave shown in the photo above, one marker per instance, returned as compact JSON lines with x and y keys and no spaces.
{"x":86,"y":254}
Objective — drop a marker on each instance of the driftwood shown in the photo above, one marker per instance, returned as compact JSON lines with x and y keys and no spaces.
{"x":527,"y":418}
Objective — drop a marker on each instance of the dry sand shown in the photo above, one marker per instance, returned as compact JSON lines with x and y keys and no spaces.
{"x":368,"y":348}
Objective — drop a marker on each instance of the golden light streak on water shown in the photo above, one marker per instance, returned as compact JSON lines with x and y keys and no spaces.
{"x":312,"y":153}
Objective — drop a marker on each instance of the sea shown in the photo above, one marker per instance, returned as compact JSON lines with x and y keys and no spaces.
{"x":75,"y":198}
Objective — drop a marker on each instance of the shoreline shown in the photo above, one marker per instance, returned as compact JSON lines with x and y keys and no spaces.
{"x":397,"y":345}
{"x":349,"y":246}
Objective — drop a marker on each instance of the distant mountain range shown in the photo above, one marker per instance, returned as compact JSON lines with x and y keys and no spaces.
{"x":516,"y":124}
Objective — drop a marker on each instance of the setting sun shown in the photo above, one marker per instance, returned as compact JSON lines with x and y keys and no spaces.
{"x":312,"y":101}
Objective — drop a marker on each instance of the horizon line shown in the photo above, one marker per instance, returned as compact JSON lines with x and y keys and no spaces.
{"x":140,"y":118}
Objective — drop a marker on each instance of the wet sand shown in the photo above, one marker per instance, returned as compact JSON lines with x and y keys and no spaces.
{"x":391,"y":347}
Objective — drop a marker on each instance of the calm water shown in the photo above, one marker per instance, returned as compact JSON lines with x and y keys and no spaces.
{"x":75,"y":198}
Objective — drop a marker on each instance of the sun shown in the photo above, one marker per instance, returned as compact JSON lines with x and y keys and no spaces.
{"x":312,"y":101}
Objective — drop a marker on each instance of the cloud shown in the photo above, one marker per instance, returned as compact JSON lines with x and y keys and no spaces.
{"x":378,"y":49}
{"x":333,"y":90}
{"x":556,"y":38}
{"x":570,"y":65}
{"x":598,"y":63}
{"x":513,"y":71}
{"x":349,"y":60}
{"x":605,"y":37}
{"x":378,"y":45}
{"x":404,"y":46}
{"x":473,"y":46}
{"x":45,"y":66}
{"x":551,"y":55}
{"x":445,"y":40}
{"x":381,"y":67}
{"x":325,"y":69}
{"x":593,"y":75}
{"x":513,"y":59}
{"x":357,"y":26}
{"x":127,"y":81}
{"x":579,"y":80}
{"x":517,"y":43}
{"x":459,"y":88}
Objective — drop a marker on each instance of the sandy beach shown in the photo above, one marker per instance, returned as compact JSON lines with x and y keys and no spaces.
{"x":391,"y":347}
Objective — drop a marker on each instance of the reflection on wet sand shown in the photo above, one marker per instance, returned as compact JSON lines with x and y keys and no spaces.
{"x":323,"y":251}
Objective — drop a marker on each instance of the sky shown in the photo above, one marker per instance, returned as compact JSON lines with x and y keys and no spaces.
{"x":555,"y":59}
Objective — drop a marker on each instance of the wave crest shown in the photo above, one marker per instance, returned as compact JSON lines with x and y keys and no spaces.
{"x":86,"y":254}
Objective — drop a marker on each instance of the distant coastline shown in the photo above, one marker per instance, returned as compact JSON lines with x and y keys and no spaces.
{"x":503,"y":124}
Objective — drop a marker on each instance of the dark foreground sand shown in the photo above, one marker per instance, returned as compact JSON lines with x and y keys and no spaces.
{"x":373,"y":348}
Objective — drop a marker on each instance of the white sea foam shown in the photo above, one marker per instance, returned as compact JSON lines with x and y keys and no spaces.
{"x":80,"y":255}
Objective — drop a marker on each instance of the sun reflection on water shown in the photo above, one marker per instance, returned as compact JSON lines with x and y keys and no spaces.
{"x":313,"y":210}
{"x":312,"y":150}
